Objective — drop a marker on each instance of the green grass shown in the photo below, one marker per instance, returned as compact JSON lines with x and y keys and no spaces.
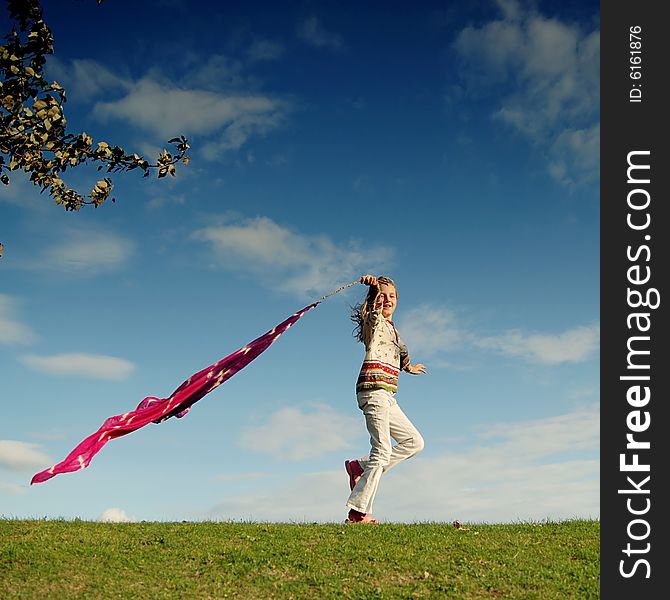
{"x":79,"y":559}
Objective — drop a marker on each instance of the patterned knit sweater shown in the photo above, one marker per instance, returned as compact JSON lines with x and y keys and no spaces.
{"x":385,"y":355}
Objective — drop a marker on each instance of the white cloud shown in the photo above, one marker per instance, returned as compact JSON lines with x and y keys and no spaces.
{"x":48,"y":435}
{"x":510,"y":8}
{"x":161,"y":199}
{"x":293,"y":262}
{"x":116,"y":515}
{"x":96,"y":366}
{"x":218,"y":73}
{"x":517,"y":471}
{"x":489,"y":485}
{"x":524,"y":470}
{"x":312,"y":32}
{"x":553,"y":69}
{"x":261,"y":50}
{"x":237,"y":477}
{"x":538,"y":438}
{"x":85,"y":78}
{"x":295,"y":434}
{"x":167,"y":110}
{"x":479,"y":47}
{"x":84,"y":253}
{"x":12,"y":330}
{"x":164,"y":109}
{"x":253,"y":116}
{"x":574,"y":345}
{"x":430,"y":330}
{"x":574,"y":155}
{"x":321,"y":498}
{"x":216,"y":98}
{"x":22,"y":456}
{"x":13,"y":488}
{"x":22,"y":192}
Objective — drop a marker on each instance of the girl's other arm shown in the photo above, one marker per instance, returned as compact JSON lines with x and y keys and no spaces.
{"x":405,"y":363}
{"x":417,"y":369}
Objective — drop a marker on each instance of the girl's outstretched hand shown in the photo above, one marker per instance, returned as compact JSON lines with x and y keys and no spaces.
{"x":418,"y":369}
{"x":369,"y":280}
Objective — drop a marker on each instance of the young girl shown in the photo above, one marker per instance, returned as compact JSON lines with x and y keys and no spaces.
{"x":385,"y":356}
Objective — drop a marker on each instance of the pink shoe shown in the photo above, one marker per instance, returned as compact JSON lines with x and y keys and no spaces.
{"x":354,"y":470}
{"x":359,"y":517}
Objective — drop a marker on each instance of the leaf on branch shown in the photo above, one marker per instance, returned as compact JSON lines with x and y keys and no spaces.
{"x":33,"y":135}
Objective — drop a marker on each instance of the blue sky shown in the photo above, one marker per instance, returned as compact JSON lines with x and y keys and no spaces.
{"x":453,"y":146}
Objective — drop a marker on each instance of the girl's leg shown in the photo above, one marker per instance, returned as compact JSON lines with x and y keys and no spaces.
{"x":376,"y":409}
{"x":409,"y":440}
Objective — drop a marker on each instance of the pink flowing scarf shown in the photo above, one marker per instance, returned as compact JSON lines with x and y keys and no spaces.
{"x":157,"y":410}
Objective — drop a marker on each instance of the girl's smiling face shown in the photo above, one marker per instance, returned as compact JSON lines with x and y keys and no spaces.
{"x":388,"y":297}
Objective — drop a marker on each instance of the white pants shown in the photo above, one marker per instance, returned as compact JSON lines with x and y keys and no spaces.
{"x":384,"y":420}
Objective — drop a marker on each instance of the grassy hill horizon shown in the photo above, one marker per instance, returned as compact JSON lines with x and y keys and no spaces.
{"x":89,"y":559}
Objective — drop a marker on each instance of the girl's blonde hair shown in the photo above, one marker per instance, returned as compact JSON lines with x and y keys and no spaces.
{"x":360,"y":311}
